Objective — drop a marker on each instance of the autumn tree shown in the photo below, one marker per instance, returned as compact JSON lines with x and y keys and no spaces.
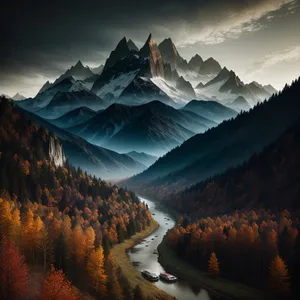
{"x":56,"y":287}
{"x":213,"y":265}
{"x":90,"y":240}
{"x":78,"y":245}
{"x":13,"y":272}
{"x":95,"y":268}
{"x":279,"y":277}
{"x":5,"y":217}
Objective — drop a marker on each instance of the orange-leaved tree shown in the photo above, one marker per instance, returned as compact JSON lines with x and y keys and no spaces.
{"x":279,"y":277}
{"x":95,"y":268}
{"x":56,"y":287}
{"x":213,"y":265}
{"x":13,"y":271}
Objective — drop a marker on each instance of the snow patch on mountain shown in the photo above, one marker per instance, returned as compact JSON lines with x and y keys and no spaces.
{"x":168,"y":88}
{"x":117,"y":84}
{"x":194,"y":77}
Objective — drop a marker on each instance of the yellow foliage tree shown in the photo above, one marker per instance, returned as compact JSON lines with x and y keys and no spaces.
{"x":90,"y":240}
{"x":95,"y":268}
{"x":78,"y":244}
{"x":279,"y":277}
{"x":213,"y":265}
{"x":5,"y":217}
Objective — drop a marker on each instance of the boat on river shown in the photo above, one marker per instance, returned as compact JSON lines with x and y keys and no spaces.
{"x":167,"y":277}
{"x":150,"y":276}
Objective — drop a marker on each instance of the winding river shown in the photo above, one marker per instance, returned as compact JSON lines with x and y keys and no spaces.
{"x":144,"y":256}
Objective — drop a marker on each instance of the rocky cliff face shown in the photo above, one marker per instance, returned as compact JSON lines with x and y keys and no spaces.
{"x":170,"y":55}
{"x":56,"y":153}
{"x":150,"y":50}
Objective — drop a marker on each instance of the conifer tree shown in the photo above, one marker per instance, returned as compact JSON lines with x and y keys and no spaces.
{"x":213,"y":265}
{"x":95,"y":268}
{"x":279,"y":277}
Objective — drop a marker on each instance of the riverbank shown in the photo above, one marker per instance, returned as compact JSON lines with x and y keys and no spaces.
{"x":218,"y":288}
{"x":120,"y":256}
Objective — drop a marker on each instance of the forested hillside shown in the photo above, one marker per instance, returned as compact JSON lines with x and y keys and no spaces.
{"x":268,"y":180}
{"x":58,"y":221}
{"x":225,"y":146}
{"x":259,"y":248}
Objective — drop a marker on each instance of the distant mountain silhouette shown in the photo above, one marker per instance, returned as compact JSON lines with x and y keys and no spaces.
{"x":96,"y":160}
{"x":210,"y":66}
{"x":151,"y":132}
{"x":78,"y":72}
{"x":195,"y":63}
{"x":98,"y":70}
{"x":103,"y":128}
{"x":240,"y":103}
{"x":64,"y":102}
{"x":210,"y":109}
{"x":74,"y":117}
{"x":142,"y":157}
{"x":18,"y":97}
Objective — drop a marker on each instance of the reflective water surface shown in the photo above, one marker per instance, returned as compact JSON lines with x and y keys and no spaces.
{"x":144,"y":256}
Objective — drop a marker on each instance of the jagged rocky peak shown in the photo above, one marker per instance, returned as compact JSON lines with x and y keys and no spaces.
{"x":185,"y":86}
{"x":132,"y":45}
{"x":79,"y":65}
{"x":56,"y":153}
{"x":98,"y":70}
{"x":195,"y":62}
{"x":150,"y":50}
{"x":45,"y":87}
{"x":121,"y":50}
{"x":270,"y":89}
{"x":225,"y":72}
{"x":170,"y":75}
{"x":210,"y":66}
{"x":170,"y":54}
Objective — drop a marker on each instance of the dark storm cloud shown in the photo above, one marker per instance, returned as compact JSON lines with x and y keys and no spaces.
{"x":42,"y":38}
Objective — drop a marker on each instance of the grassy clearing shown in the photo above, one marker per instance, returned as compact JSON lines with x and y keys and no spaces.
{"x":119,"y":254}
{"x":218,"y":288}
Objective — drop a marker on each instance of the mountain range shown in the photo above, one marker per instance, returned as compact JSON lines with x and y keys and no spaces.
{"x":263,"y":182}
{"x":133,"y":76}
{"x":161,"y":127}
{"x":62,"y":97}
{"x":148,"y":100}
{"x":222,"y":147}
{"x":96,"y":160}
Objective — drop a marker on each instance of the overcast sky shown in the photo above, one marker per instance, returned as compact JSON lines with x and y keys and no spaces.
{"x":258,"y":39}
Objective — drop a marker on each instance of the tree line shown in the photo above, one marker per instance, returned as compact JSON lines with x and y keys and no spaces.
{"x":258,"y":248}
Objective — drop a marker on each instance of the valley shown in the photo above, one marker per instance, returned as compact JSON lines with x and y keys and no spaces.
{"x":215,"y":149}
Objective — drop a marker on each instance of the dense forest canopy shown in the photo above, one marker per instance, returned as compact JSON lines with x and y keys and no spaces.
{"x":58,"y":219}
